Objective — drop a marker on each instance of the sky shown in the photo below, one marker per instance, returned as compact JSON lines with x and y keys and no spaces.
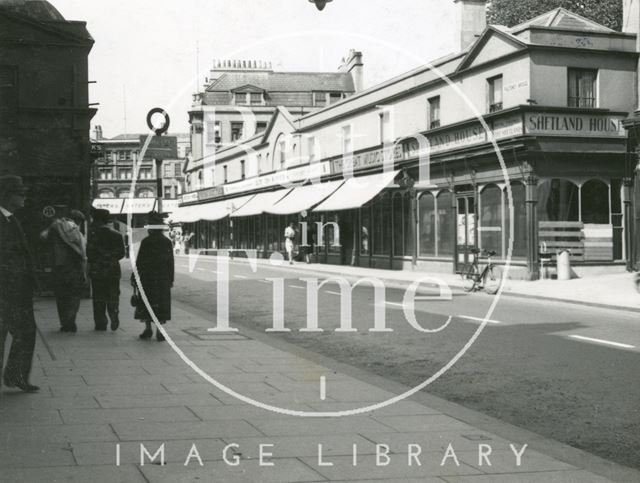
{"x":157,"y":53}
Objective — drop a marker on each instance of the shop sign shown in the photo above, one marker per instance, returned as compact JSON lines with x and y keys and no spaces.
{"x":459,"y":138}
{"x":507,"y":127}
{"x":316,"y":170}
{"x":160,"y":147}
{"x":189,"y":197}
{"x":114,"y":205}
{"x":574,"y":124}
{"x":366,"y":160}
{"x":210,"y":193}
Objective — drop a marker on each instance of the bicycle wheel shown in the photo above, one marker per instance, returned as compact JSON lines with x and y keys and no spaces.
{"x":469,"y":274}
{"x":493,"y":279}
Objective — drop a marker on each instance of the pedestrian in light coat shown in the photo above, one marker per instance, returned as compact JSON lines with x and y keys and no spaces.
{"x":105,"y":249}
{"x":17,"y":280}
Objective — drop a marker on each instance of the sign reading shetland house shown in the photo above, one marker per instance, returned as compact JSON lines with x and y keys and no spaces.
{"x":557,"y":125}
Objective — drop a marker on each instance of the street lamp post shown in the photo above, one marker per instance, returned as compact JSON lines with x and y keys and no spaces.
{"x":320,"y":4}
{"x":159,"y":184}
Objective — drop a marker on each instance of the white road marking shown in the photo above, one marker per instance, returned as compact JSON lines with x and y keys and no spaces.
{"x":478,"y":319}
{"x":265,"y":281}
{"x":394,"y":304}
{"x":202,"y":270}
{"x":601,"y":341}
{"x":333,"y":293}
{"x":298,"y":287}
{"x":323,"y":388}
{"x":240,"y":276}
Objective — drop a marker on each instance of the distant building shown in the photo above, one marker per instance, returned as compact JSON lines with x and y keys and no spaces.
{"x":241,"y":96}
{"x":44,"y":107}
{"x":113,"y":174}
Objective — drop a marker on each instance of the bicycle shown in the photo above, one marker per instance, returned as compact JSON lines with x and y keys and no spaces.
{"x":490,"y":278}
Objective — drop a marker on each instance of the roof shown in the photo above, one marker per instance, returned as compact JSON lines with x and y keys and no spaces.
{"x":564,"y":19}
{"x":40,"y":10}
{"x":285,"y":81}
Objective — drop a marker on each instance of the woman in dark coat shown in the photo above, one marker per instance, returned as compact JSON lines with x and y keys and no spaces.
{"x":156,"y":270}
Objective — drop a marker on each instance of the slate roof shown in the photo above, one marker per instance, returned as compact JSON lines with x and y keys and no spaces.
{"x":285,"y":81}
{"x":563,"y":18}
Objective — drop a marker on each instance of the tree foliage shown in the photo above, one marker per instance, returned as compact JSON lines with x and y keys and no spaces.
{"x":513,"y":12}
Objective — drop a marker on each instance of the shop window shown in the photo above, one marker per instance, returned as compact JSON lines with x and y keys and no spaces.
{"x":365,"y":221}
{"x":595,"y":202}
{"x":557,"y":201}
{"x":582,"y":87}
{"x":381,"y":221}
{"x":519,"y":235}
{"x":398,"y":225}
{"x":495,"y":92}
{"x":145,"y":193}
{"x":491,"y":219}
{"x":446,"y":221}
{"x":434,"y":112}
{"x":106,"y":194}
{"x":427,"y":225}
{"x":408,"y":229}
{"x":124,"y":194}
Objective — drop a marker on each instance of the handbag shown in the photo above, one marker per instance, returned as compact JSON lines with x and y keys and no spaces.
{"x":135,"y":297}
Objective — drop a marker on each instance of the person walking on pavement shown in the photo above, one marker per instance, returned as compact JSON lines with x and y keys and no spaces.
{"x":289,"y":236}
{"x":105,"y":249}
{"x":155,"y":269}
{"x":17,"y":281}
{"x":69,"y":264}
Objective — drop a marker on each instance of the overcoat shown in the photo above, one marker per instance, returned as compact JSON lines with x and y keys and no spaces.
{"x":156,"y":271}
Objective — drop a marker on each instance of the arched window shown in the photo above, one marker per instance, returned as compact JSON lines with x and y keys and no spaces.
{"x":124,"y":194}
{"x":427,"y":225}
{"x":595,"y":202}
{"x":557,"y":201}
{"x":446,"y":221}
{"x":145,"y":193}
{"x":106,"y":194}
{"x":491,"y":219}
{"x":519,"y":235}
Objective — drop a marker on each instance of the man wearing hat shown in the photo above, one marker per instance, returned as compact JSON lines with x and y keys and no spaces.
{"x":17,"y":281}
{"x":104,"y":252}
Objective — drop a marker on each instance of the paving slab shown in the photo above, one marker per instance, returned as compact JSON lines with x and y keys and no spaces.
{"x":74,"y":474}
{"x":161,"y":414}
{"x":166,"y":431}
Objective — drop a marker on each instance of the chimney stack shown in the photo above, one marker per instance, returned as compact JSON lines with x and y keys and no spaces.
{"x":471,"y":21}
{"x":97,"y":133}
{"x":353,"y":65}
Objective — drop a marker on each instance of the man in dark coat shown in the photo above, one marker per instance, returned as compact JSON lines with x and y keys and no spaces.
{"x":16,"y":288}
{"x":156,"y":270}
{"x":105,"y":249}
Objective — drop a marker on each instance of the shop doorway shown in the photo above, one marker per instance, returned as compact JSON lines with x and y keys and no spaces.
{"x":466,"y":234}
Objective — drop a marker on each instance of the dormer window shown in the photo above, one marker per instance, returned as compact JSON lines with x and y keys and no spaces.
{"x":257,"y":98}
{"x":241,"y":98}
{"x":319,"y":99}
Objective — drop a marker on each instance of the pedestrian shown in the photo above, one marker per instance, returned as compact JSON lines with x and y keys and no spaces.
{"x":177,"y":240}
{"x":155,"y":268}
{"x":105,"y":249}
{"x":289,"y":236}
{"x":310,"y":242}
{"x":186,"y":242}
{"x":69,"y":264}
{"x":17,"y":280}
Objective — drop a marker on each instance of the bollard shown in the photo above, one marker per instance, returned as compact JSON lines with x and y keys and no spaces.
{"x":564,"y":265}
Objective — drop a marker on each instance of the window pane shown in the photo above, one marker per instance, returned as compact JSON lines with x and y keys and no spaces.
{"x":595,"y":202}
{"x":427,"y":228}
{"x":446,"y":224}
{"x":365,"y":220}
{"x":398,"y":225}
{"x":491,"y":219}
{"x":519,"y":235}
{"x":557,"y":201}
{"x":408,"y":231}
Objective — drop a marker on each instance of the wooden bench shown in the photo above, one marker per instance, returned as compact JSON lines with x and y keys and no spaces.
{"x":598,"y":243}
{"x":556,"y":236}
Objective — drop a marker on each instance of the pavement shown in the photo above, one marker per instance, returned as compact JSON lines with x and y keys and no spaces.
{"x":108,"y":398}
{"x":611,"y":290}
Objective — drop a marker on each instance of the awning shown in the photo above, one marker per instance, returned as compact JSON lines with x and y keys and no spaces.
{"x":303,"y":198}
{"x":213,"y":211}
{"x":170,"y":206}
{"x":356,"y":192}
{"x":137,"y":206}
{"x":260,"y":203}
{"x":114,"y":205}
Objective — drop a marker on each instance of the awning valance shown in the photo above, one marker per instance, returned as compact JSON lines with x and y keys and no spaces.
{"x":138,"y":206}
{"x":260,"y":203}
{"x":356,"y":192}
{"x":213,"y":211}
{"x":114,"y":205}
{"x":304,"y":198}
